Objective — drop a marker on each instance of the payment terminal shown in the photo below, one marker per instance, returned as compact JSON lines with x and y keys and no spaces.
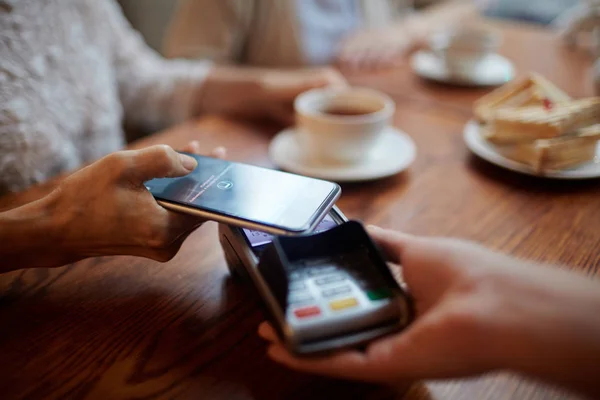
{"x":328,"y":290}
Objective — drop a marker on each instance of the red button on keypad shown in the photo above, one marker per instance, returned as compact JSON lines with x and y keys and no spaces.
{"x":306,"y":312}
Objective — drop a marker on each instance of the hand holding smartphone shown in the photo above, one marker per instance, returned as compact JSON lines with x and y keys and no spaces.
{"x":247,"y":196}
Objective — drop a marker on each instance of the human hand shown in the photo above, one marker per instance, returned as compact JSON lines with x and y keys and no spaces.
{"x":279,"y":89}
{"x":105,"y":209}
{"x":476,"y":311}
{"x":376,"y":49}
{"x":258,"y":93}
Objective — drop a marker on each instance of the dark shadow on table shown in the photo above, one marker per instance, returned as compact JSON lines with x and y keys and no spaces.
{"x":455,"y":87}
{"x":108,"y":342}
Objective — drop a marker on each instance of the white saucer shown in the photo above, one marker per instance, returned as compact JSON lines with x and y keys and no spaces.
{"x":478,"y":145}
{"x":494,"y":70}
{"x":393,"y":154}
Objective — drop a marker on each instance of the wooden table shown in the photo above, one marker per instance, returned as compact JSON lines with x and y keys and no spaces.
{"x":123,"y":328}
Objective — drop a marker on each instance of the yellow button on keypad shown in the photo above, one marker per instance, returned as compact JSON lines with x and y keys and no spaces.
{"x":343,"y":303}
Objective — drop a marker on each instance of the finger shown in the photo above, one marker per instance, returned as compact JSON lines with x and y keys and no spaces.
{"x":357,"y":60}
{"x":370,"y":58}
{"x":385,"y":58}
{"x":393,"y":243}
{"x":348,"y":364}
{"x":160,"y":161}
{"x":311,"y":79}
{"x":322,"y":366}
{"x":219,"y":152}
{"x":347,"y":56}
{"x":195,"y":148}
{"x":192,"y":147}
{"x":335,"y":79}
{"x":266,"y":331}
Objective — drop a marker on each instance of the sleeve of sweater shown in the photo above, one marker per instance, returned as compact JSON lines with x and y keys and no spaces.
{"x":154,"y":92}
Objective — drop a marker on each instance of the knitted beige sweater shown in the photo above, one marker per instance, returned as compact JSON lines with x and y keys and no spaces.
{"x":71,"y":71}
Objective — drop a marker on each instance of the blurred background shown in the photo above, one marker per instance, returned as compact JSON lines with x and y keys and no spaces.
{"x":151,"y":17}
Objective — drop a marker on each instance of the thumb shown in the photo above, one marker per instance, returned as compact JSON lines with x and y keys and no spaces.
{"x":160,"y":161}
{"x":392,"y":243}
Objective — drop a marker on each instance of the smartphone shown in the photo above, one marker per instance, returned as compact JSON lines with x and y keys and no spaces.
{"x":247,"y":196}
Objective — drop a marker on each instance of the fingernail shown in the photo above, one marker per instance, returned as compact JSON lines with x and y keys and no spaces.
{"x":373,"y":228}
{"x":188,"y":162}
{"x":220,"y":150}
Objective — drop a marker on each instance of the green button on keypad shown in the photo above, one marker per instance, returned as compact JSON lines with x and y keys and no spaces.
{"x":379,"y":294}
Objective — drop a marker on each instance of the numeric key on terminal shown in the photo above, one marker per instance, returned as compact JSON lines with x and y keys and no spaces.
{"x":322,"y":270}
{"x":296,"y":286}
{"x":326,"y":280}
{"x":336,"y":291}
{"x":299,"y":297}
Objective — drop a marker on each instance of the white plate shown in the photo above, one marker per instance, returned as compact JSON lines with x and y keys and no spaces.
{"x":478,"y":145}
{"x":394,"y":152}
{"x":494,"y":70}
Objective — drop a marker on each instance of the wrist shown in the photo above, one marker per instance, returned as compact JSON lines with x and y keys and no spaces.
{"x":31,"y":235}
{"x":230,"y":90}
{"x":547,"y":328}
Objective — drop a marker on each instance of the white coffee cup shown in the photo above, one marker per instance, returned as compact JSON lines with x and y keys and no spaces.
{"x":463,"y":49}
{"x":341,"y":126}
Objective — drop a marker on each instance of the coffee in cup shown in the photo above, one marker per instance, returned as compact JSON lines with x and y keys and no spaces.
{"x":345,"y":111}
{"x":341,"y":126}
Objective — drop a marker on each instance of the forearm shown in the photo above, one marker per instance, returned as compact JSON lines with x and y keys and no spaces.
{"x":29,"y":236}
{"x":571,"y":357}
{"x":231,"y":90}
{"x":554,"y":333}
{"x":157,"y":93}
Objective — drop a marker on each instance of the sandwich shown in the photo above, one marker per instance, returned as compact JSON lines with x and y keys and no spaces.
{"x":532,"y":91}
{"x":555,"y":153}
{"x":526,"y":124}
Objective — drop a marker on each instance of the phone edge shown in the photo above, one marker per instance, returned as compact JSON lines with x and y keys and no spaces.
{"x":244,"y":224}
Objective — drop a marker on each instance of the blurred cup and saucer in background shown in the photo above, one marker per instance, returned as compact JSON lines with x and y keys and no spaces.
{"x":465,"y":56}
{"x":343,"y":135}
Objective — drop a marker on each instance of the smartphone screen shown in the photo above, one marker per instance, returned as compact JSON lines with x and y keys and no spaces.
{"x":243,"y":192}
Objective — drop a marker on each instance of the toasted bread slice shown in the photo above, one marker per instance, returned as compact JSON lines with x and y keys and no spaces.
{"x":526,"y":124}
{"x":534,"y":90}
{"x":557,"y":153}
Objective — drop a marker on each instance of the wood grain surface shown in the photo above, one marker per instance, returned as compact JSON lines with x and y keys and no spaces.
{"x":130,"y":328}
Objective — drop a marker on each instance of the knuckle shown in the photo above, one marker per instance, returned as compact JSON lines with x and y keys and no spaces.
{"x":163,"y":156}
{"x":118,"y":163}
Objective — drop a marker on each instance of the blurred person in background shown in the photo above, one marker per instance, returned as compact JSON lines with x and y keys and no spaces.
{"x":73,"y":71}
{"x":355,"y":34}
{"x":543,"y":12}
